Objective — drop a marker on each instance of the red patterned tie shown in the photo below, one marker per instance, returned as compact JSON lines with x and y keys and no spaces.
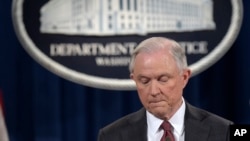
{"x":168,"y":135}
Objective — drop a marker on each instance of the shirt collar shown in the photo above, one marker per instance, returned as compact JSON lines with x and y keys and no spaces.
{"x":153,"y":122}
{"x":177,"y":120}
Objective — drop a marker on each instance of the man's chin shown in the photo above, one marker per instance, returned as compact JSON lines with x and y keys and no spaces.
{"x":159,"y":112}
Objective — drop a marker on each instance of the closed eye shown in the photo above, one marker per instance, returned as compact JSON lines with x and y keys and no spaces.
{"x":144,"y":80}
{"x":163,"y":79}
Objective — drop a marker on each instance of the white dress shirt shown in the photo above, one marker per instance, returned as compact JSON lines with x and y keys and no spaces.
{"x":154,"y":132}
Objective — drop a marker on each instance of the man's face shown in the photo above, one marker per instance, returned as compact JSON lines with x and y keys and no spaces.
{"x":159,"y":82}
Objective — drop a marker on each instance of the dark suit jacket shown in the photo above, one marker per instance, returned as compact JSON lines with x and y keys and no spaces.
{"x":199,"y":125}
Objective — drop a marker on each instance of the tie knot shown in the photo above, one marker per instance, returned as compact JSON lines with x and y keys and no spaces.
{"x":166,"y":126}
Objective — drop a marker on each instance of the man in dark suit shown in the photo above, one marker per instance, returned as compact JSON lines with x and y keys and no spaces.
{"x":159,"y":68}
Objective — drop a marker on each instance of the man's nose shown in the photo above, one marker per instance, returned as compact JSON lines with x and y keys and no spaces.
{"x":154,"y":88}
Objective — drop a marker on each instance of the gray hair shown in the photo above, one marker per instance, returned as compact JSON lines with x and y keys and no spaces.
{"x":156,"y":43}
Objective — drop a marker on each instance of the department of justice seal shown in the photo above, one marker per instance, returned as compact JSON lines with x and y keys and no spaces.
{"x":90,"y":42}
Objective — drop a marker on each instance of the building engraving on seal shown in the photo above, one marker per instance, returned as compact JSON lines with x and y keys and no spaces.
{"x":124,"y":17}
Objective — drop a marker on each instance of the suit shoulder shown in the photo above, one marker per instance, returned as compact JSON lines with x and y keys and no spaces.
{"x":124,"y":122}
{"x":203,"y":125}
{"x":208,"y":117}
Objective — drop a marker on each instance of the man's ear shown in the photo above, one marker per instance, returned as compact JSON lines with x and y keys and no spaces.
{"x":186,"y":76}
{"x":131,"y":76}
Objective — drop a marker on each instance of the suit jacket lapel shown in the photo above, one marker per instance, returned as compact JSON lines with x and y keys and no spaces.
{"x":137,"y":127}
{"x":194,"y":128}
